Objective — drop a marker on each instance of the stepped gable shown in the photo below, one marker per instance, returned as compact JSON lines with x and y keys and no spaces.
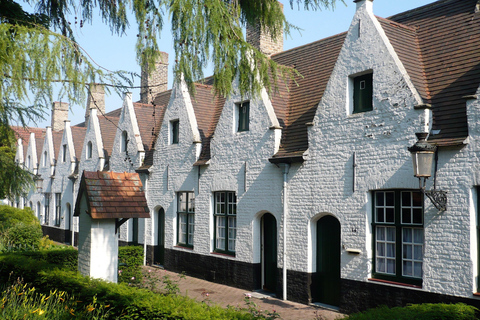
{"x":448,"y":33}
{"x":315,"y":63}
{"x":113,"y":195}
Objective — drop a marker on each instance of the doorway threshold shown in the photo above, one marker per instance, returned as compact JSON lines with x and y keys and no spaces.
{"x":261,"y":294}
{"x":325,"y":306}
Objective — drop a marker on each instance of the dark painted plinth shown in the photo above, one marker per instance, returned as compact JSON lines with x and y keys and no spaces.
{"x":216,"y":269}
{"x":59,"y":235}
{"x":359,"y":296}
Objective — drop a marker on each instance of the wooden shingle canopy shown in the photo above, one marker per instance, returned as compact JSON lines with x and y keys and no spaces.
{"x":112,"y":195}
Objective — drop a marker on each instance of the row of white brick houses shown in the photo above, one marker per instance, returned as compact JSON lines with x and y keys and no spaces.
{"x":308,"y":193}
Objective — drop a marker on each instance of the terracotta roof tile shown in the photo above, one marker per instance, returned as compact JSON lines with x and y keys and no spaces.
{"x":315,"y":63}
{"x":113,"y":195}
{"x":448,"y":33}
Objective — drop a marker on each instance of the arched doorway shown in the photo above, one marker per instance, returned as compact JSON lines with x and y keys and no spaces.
{"x":269,"y":252}
{"x":326,"y":282}
{"x":159,"y":252}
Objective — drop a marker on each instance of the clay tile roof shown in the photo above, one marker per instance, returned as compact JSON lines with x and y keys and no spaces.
{"x":108,"y":128}
{"x":149,"y":119}
{"x":113,"y":195}
{"x":448,"y":33}
{"x":405,"y":42}
{"x":57,"y":141}
{"x":315,"y":63}
{"x":207,"y":107}
{"x":24,"y":134}
{"x":78,"y":136}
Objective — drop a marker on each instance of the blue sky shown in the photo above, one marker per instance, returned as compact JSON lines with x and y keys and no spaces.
{"x":118,"y":53}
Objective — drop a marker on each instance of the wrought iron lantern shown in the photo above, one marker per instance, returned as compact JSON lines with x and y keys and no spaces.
{"x":423,"y":155}
{"x":38,"y":182}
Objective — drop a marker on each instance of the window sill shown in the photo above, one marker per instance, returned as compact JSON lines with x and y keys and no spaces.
{"x":395,"y":283}
{"x":223,"y":254}
{"x":477,"y":294}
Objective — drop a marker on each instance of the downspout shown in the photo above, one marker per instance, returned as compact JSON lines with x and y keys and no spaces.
{"x":285,"y":167}
{"x":145,"y":228}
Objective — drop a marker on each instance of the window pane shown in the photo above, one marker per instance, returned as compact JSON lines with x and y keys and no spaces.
{"x":220,"y":233}
{"x":232,"y":233}
{"x":380,"y":233}
{"x":380,"y":198}
{"x":191,"y":202}
{"x":391,"y":234}
{"x":407,"y":268}
{"x":407,"y":235}
{"x":418,"y":236}
{"x":380,"y":215}
{"x":391,"y":266}
{"x":182,"y":201}
{"x":390,"y":199}
{"x":182,"y":237}
{"x":406,"y":215}
{"x":417,"y":216}
{"x":390,"y":215}
{"x":417,"y":269}
{"x":407,"y":252}
{"x":391,"y":250}
{"x":417,"y":199}
{"x":406,"y":199}
{"x":418,"y":253}
{"x":381,"y":249}
{"x":381,"y":265}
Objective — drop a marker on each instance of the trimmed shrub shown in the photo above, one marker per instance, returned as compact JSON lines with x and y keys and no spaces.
{"x":426,"y":311}
{"x":24,"y":236}
{"x":130,"y":260}
{"x":10,"y":216}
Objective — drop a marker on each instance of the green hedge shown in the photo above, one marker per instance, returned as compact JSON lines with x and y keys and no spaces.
{"x":19,"y":229}
{"x":10,"y":216}
{"x":130,"y":260}
{"x":132,"y":303}
{"x":426,"y":311}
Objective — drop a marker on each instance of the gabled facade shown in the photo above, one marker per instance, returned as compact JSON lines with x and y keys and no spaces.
{"x":309,"y":192}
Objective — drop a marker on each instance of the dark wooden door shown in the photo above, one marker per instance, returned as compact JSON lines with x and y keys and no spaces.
{"x":159,"y":256}
{"x":269,"y":252}
{"x":327,"y":279}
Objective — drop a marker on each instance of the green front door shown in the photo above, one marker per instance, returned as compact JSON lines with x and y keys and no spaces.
{"x":327,"y":279}
{"x":159,"y":254}
{"x":269,"y":252}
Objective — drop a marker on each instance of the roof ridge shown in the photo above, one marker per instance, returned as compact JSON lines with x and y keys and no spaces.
{"x":418,"y":9}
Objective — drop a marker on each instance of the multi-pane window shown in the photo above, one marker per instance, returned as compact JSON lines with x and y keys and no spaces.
{"x":363,"y":93}
{"x":225,"y":221}
{"x":58,"y":208}
{"x":186,"y":218}
{"x":243,"y":116}
{"x":398,"y":235}
{"x":175,"y":130}
{"x":46,"y":208}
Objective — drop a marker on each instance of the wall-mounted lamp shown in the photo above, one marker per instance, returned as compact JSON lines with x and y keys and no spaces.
{"x":38,"y":182}
{"x":423,"y":154}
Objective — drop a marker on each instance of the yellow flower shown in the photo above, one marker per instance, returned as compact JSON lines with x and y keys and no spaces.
{"x":90,"y":308}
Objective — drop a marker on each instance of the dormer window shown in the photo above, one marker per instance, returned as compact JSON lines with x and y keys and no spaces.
{"x":45,"y":159}
{"x":89,"y":150}
{"x":363,"y":93}
{"x":243,"y":112}
{"x":174,"y":131}
{"x":64,"y":153}
{"x":124,"y":142}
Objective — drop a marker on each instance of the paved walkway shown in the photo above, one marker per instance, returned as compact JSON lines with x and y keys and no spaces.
{"x":224,"y":296}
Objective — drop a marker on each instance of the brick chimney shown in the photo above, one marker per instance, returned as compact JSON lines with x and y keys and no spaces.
{"x":262,"y":40}
{"x":156,"y":82}
{"x":95,"y":100}
{"x":59,"y":115}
